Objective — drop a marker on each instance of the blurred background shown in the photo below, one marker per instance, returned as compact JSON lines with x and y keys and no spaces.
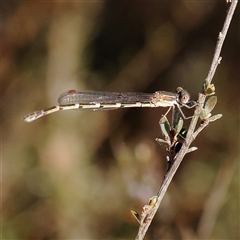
{"x":76,"y":174}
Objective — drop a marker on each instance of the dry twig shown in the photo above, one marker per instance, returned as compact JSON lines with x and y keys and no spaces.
{"x":151,"y":208}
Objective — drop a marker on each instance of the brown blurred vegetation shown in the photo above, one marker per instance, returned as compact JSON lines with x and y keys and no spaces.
{"x":76,"y":174}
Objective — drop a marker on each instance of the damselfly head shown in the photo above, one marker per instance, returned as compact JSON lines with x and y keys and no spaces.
{"x":182,"y":95}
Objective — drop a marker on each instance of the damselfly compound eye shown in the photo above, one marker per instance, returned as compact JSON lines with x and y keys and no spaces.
{"x":183,"y":95}
{"x":185,"y":98}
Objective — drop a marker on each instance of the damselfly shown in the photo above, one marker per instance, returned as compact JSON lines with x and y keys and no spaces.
{"x":74,"y":100}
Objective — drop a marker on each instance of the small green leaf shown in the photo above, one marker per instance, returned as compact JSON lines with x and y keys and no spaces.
{"x":192,"y":149}
{"x":204,"y":114}
{"x":165,"y":126}
{"x":183,"y":134}
{"x":152,"y":201}
{"x":215,"y":117}
{"x":136,"y":216}
{"x":179,"y":127}
{"x":161,"y":141}
{"x":175,"y":117}
{"x":209,"y":89}
{"x":210,"y":104}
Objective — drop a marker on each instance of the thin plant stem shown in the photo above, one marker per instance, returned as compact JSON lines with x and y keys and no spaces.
{"x":191,"y":135}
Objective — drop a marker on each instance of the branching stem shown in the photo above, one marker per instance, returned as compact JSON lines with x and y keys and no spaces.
{"x":191,"y":134}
